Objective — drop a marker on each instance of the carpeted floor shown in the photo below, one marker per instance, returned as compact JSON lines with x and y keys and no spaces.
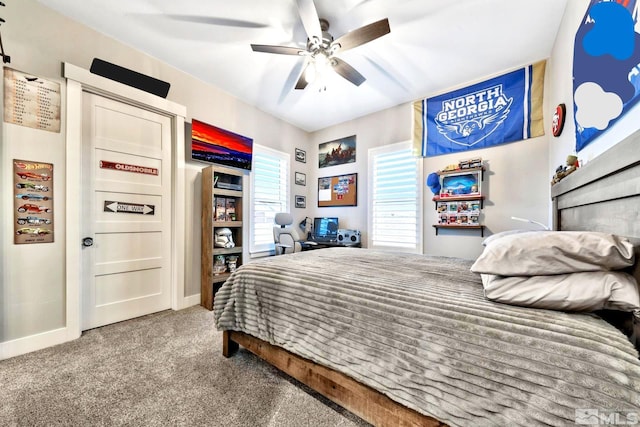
{"x":164,"y":369}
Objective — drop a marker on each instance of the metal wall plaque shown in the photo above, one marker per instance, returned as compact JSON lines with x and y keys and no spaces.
{"x":31,"y":101}
{"x":32,"y":202}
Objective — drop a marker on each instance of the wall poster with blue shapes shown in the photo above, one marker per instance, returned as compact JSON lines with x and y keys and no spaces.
{"x":606,"y":67}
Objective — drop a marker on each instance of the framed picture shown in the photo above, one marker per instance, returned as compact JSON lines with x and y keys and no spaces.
{"x":337,"y":152}
{"x":339,"y":190}
{"x":301,"y":155}
{"x":301,"y":202}
{"x":461,"y":184}
{"x":301,"y":179}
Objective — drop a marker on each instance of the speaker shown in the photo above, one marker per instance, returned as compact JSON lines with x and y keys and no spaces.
{"x":129,"y":77}
{"x":348,"y":236}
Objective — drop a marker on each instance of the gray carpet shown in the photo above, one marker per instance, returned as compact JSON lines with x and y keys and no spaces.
{"x":162,"y":369}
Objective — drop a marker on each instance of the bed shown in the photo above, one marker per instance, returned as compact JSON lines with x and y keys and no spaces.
{"x":402,"y":339}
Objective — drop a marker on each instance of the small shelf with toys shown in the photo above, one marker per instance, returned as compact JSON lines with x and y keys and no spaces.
{"x":458,"y":196}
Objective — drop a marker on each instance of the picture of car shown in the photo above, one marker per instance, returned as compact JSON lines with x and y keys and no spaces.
{"x":33,"y":220}
{"x":32,"y":186}
{"x":31,"y":196}
{"x":30,"y":207}
{"x":33,"y":175}
{"x":33,"y":231}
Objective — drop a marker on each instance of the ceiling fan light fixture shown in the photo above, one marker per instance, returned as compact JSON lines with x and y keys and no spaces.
{"x":321,"y":63}
{"x":310,"y":74}
{"x":319,"y":67}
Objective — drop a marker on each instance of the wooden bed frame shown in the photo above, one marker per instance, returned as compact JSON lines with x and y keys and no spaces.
{"x":602,"y":196}
{"x":605,"y":196}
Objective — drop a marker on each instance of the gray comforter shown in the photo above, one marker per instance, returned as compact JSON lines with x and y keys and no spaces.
{"x":419,"y":330}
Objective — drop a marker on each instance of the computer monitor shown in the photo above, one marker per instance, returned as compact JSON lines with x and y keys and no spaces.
{"x":325,"y":228}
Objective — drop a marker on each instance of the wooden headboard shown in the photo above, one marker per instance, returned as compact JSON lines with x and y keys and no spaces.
{"x":604,"y":195}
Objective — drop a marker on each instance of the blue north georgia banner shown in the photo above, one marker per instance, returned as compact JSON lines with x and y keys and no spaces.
{"x":503,"y":109}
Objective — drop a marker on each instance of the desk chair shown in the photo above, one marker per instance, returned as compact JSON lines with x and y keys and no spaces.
{"x":285,"y":236}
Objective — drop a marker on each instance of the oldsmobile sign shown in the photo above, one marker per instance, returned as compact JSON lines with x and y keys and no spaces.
{"x":503,"y":109}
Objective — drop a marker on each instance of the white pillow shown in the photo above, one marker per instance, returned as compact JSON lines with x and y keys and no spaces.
{"x":585,"y":291}
{"x":554,"y":252}
{"x":501,"y":234}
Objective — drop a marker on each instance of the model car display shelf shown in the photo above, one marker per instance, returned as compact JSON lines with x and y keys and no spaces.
{"x":460,"y":211}
{"x":221,"y":208}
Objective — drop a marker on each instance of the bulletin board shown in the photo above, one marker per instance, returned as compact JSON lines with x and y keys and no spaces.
{"x":339,"y":190}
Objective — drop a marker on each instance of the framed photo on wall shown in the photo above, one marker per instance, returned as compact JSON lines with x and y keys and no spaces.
{"x":301,"y":202}
{"x":301,"y":155}
{"x":337,"y":152}
{"x":301,"y":179}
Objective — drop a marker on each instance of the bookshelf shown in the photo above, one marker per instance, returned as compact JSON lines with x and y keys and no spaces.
{"x":222,"y":222}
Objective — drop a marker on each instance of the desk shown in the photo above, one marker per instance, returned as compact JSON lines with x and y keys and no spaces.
{"x":324,"y":245}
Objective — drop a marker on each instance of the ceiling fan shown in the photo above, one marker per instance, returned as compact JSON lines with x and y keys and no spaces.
{"x":321,"y":49}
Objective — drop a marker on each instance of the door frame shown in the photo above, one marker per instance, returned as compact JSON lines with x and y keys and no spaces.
{"x":80,"y":80}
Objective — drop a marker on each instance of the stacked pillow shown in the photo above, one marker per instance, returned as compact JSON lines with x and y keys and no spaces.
{"x":559,"y":270}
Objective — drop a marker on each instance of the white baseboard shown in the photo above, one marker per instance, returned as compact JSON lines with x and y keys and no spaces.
{"x":35,"y":342}
{"x":190,"y":301}
{"x":42,"y":340}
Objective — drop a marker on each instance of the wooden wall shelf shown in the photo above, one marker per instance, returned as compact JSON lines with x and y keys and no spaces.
{"x":453,"y":210}
{"x":460,"y":171}
{"x":460,"y":227}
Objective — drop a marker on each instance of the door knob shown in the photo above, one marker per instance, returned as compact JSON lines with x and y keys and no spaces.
{"x":87,"y":241}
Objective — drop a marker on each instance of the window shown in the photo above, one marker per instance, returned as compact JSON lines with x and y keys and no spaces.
{"x":269,"y":195}
{"x":395,"y":220}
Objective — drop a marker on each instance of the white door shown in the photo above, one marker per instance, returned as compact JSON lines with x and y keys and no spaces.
{"x":126,"y":204}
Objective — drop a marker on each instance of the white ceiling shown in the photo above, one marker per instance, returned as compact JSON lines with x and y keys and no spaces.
{"x":433,"y":45}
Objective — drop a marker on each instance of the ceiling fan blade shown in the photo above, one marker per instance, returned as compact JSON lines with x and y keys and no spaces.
{"x":292,"y":79}
{"x":362,"y":35}
{"x":347,"y":71}
{"x":212,"y":20}
{"x":310,"y":19}
{"x":302,"y":81}
{"x":282,"y":50}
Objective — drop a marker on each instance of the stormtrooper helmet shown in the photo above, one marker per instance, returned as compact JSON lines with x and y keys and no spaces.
{"x":224,"y":238}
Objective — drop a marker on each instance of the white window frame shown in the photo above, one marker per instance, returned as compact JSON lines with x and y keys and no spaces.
{"x":371,"y":238}
{"x":258,"y":150}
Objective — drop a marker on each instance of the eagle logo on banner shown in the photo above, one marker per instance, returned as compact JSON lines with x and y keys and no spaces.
{"x":469,"y":119}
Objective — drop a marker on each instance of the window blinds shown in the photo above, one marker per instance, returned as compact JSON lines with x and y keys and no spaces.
{"x":269,"y":193}
{"x":395,"y":199}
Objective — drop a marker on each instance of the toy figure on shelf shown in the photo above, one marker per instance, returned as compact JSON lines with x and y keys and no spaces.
{"x":564,"y":170}
{"x":224,"y":238}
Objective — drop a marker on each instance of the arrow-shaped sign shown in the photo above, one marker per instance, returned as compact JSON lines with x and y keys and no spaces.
{"x":135,"y":208}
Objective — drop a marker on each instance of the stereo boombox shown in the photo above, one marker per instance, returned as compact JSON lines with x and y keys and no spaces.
{"x":348,"y":236}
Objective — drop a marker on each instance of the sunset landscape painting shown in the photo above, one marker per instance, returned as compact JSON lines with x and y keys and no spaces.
{"x":214,"y":145}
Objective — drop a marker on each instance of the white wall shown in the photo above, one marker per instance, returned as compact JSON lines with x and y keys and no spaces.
{"x":382,"y":128}
{"x":32,"y":277}
{"x":516,"y":182}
